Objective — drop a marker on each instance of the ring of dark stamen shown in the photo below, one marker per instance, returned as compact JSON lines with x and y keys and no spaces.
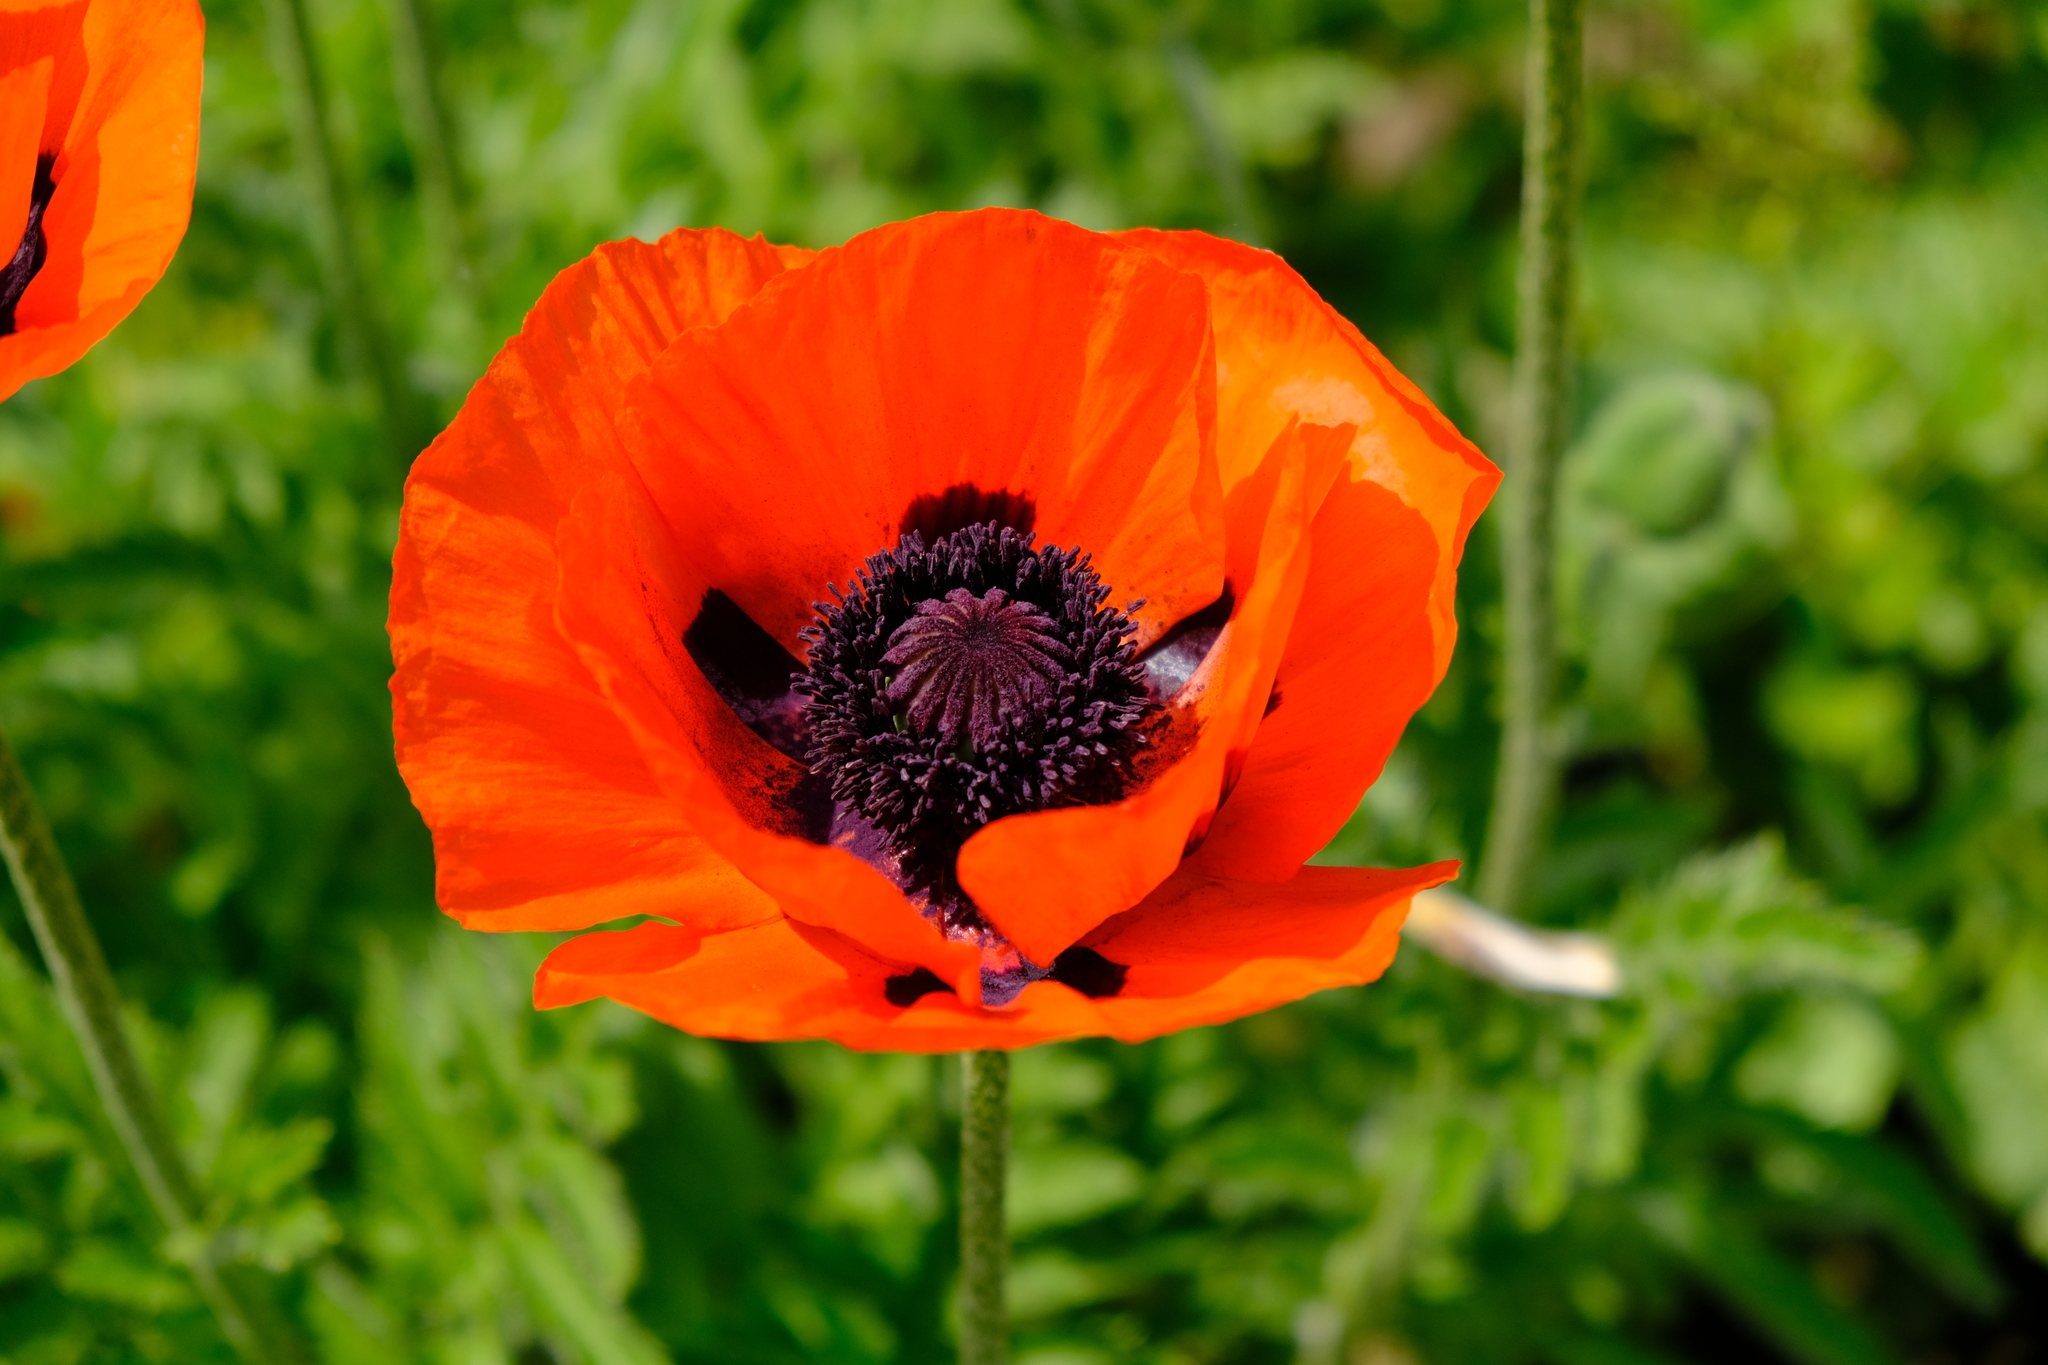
{"x":968,"y":679}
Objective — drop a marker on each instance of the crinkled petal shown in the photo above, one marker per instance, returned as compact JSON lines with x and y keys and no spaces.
{"x":120,"y":112}
{"x":24,"y":95}
{"x":1200,"y":950}
{"x":543,"y":812}
{"x":1284,"y":355}
{"x":780,"y":980}
{"x":1358,"y":664}
{"x":906,"y":380}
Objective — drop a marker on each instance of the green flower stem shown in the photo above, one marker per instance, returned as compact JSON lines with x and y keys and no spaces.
{"x":984,"y":1234}
{"x":1196,"y":85}
{"x":298,"y":67}
{"x":426,"y":116}
{"x":1541,"y":423}
{"x":86,"y":993}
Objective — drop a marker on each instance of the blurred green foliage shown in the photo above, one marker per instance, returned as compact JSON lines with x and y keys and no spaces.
{"x":1805,"y":596}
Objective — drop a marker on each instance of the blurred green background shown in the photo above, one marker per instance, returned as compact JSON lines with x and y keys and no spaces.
{"x":1805,"y":586}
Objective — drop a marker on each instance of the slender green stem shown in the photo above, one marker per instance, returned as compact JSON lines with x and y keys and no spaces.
{"x":984,"y":1234}
{"x":298,"y":67}
{"x":1197,"y":87}
{"x":1541,"y":422}
{"x":415,"y":74}
{"x":91,"y":1005}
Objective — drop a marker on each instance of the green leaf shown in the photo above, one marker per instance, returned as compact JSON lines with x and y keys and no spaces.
{"x":1540,"y":1165}
{"x":1833,"y":1059}
{"x":1068,"y":1184}
{"x":1777,"y":1297}
{"x":104,"y":1271}
{"x":565,"y":1303}
{"x":24,"y":1248}
{"x":1919,"y":1217}
{"x":1998,"y":1060}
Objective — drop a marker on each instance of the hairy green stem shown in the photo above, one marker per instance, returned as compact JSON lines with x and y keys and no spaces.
{"x":92,"y":1006}
{"x":1541,"y":422}
{"x":984,"y":1233}
{"x":298,"y":67}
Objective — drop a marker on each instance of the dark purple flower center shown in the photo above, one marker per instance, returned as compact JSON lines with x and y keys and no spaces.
{"x":965,"y":662}
{"x":964,"y":680}
{"x":29,"y":256}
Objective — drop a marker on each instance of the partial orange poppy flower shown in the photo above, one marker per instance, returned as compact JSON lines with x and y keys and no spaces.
{"x":99,"y":142}
{"x":959,"y":638}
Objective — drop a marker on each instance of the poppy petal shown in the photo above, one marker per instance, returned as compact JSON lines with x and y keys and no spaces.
{"x":1358,"y":664}
{"x":901,"y":372}
{"x":1046,"y":879}
{"x":1201,"y":950}
{"x":788,"y":980}
{"x":626,"y":602}
{"x":122,"y":120}
{"x":24,"y":94}
{"x":1284,"y":355}
{"x":544,"y":814}
{"x":1205,"y":949}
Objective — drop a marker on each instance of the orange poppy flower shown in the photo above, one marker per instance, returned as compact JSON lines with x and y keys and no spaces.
{"x":99,"y":142}
{"x":1134,"y":559}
